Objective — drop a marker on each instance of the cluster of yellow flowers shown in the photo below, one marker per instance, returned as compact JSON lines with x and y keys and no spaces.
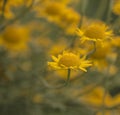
{"x":59,"y":13}
{"x":75,"y":42}
{"x":95,"y":47}
{"x":96,"y":37}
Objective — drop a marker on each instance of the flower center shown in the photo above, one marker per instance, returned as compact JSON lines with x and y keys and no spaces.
{"x":53,"y":9}
{"x":95,"y":31}
{"x":12,"y":35}
{"x":69,"y":60}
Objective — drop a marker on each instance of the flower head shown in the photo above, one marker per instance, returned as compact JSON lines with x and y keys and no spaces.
{"x":69,"y":61}
{"x":14,"y":38}
{"x":95,"y":32}
{"x":116,"y":7}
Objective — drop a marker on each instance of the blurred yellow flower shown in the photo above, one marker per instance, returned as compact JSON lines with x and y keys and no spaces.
{"x":103,"y":56}
{"x":59,"y":13}
{"x":106,"y":113}
{"x":69,"y":61}
{"x":10,"y":4}
{"x":116,"y":41}
{"x":116,"y":7}
{"x":14,"y":38}
{"x":95,"y":99}
{"x":58,"y":46}
{"x":95,"y":32}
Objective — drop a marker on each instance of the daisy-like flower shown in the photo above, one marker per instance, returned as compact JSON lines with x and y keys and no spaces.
{"x":95,"y":32}
{"x":69,"y":61}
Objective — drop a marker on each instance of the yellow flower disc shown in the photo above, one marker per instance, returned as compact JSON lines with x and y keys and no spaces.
{"x":69,"y":60}
{"x":95,"y":32}
{"x":13,"y":35}
{"x":53,"y":9}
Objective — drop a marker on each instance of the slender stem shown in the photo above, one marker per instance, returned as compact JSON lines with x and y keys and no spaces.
{"x":68,"y":77}
{"x":93,"y":51}
{"x":46,"y":84}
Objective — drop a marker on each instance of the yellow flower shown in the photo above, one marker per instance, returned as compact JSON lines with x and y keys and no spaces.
{"x":12,"y":4}
{"x":95,"y":32}
{"x":95,"y":98}
{"x":107,"y":112}
{"x":116,"y":7}
{"x":50,"y":10}
{"x":58,"y":46}
{"x":60,"y":14}
{"x":103,"y":56}
{"x":53,"y":9}
{"x":116,"y":41}
{"x":14,"y":38}
{"x":69,"y":61}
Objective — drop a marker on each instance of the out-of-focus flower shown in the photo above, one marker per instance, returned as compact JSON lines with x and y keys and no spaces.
{"x":49,"y":10}
{"x":95,"y":98}
{"x":69,"y":61}
{"x":97,"y":32}
{"x":68,"y":20}
{"x":7,"y":12}
{"x":107,"y":112}
{"x":116,"y":7}
{"x":116,"y":41}
{"x":58,"y":47}
{"x":12,"y":4}
{"x":15,"y":38}
{"x":60,"y":14}
{"x":103,"y":56}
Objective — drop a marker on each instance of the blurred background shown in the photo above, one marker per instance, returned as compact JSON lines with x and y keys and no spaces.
{"x":33,"y":30}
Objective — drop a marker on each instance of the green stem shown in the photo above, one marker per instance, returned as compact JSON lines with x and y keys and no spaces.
{"x":68,"y":77}
{"x":92,"y":52}
{"x":46,"y":84}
